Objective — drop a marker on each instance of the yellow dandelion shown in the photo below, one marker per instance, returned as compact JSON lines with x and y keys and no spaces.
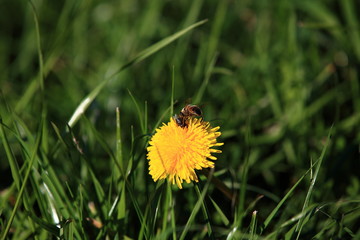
{"x":176,"y":152}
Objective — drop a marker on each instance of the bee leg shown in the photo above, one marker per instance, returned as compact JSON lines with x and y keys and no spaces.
{"x":177,"y":120}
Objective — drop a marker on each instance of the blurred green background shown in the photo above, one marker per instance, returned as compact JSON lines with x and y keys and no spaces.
{"x":274,"y":75}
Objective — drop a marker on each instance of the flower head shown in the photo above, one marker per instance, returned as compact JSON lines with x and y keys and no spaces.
{"x":176,"y":152}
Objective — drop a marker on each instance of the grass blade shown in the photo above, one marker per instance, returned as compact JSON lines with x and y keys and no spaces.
{"x":13,"y":163}
{"x":138,"y":58}
{"x":121,"y":207}
{"x":119,"y":153}
{"x":38,"y":42}
{"x":241,"y":202}
{"x":312,"y":184}
{"x":51,"y":228}
{"x":253,"y":224}
{"x":205,"y":212}
{"x":288,"y":194}
{"x":272,"y":214}
{"x":138,"y":111}
{"x":222,"y":215}
{"x":22,"y":189}
{"x":172,"y":92}
{"x":194,"y":212}
{"x":206,"y":80}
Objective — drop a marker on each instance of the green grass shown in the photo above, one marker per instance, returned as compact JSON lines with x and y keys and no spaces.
{"x":84,"y":84}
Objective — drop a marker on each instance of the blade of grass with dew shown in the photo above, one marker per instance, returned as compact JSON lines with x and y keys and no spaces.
{"x":301,"y":222}
{"x":138,"y":58}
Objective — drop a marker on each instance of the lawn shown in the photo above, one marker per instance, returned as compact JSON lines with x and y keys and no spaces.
{"x":85,"y":86}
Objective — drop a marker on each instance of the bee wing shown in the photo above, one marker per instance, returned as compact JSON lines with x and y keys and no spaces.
{"x":188,"y":101}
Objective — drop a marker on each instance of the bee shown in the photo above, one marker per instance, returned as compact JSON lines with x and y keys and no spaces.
{"x":189,"y":111}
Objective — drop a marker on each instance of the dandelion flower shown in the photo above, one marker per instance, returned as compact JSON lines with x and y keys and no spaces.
{"x":176,"y":152}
